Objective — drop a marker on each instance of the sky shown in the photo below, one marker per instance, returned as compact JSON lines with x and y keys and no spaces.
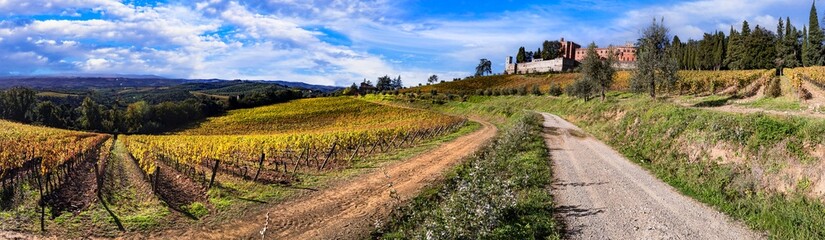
{"x":335,"y":42}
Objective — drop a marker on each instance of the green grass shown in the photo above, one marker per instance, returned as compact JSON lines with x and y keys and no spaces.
{"x":779,"y":104}
{"x":502,"y":193}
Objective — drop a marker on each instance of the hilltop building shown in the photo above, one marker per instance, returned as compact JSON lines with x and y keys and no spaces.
{"x":571,"y":55}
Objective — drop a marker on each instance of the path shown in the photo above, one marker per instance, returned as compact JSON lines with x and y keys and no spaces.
{"x":602,"y":195}
{"x":349,"y":209}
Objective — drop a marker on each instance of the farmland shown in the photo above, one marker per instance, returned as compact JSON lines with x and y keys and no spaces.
{"x":256,"y":153}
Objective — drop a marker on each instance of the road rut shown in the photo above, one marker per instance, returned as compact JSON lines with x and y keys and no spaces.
{"x":601,"y":195}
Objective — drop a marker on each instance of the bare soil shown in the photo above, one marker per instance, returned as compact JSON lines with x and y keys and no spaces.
{"x":177,"y":189}
{"x":77,"y":193}
{"x":348,"y":209}
{"x":601,"y":195}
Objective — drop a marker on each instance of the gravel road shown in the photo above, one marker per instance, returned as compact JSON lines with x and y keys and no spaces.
{"x":599,"y":194}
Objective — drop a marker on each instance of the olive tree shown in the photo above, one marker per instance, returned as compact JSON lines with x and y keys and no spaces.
{"x":656,"y":63}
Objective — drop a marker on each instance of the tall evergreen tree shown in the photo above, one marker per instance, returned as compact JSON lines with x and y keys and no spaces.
{"x":781,"y":47}
{"x":521,"y":57}
{"x":792,"y":47}
{"x":736,"y":48}
{"x":761,"y":52}
{"x":551,"y":50}
{"x":806,"y":60}
{"x":814,"y":52}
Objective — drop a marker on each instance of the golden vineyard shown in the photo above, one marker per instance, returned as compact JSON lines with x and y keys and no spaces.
{"x":308,"y":135}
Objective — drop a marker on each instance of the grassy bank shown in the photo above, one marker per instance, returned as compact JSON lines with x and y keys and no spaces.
{"x":499,"y":193}
{"x":760,"y":169}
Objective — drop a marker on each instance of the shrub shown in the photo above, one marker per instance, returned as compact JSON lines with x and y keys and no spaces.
{"x":555,"y":90}
{"x":536,"y":91}
{"x":773,"y":89}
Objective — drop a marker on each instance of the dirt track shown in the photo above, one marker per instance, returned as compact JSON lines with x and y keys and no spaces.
{"x":602,"y":195}
{"x":349,"y":209}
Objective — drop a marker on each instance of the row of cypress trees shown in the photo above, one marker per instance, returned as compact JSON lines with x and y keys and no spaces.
{"x":757,"y":48}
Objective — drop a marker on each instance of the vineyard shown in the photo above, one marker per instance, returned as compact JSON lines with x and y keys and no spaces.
{"x":689,"y":82}
{"x":813,"y":75}
{"x":708,"y":82}
{"x":49,"y":159}
{"x":473,"y":85}
{"x":275,"y":143}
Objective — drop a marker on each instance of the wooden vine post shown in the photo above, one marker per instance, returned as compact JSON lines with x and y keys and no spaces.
{"x":260,"y":165}
{"x":214,"y":173}
{"x":329,"y":155}
{"x":42,"y":202}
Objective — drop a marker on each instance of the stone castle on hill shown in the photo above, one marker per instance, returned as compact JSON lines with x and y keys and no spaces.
{"x":571,"y":55}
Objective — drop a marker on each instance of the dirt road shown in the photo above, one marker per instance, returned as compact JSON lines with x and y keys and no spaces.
{"x":350,"y":209}
{"x":602,"y":195}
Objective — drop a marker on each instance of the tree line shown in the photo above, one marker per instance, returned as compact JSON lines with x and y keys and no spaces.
{"x":23,"y":105}
{"x":382,"y":84}
{"x":548,"y":50}
{"x":757,"y":48}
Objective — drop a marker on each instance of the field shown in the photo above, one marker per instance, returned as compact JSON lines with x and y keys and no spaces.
{"x":256,"y":154}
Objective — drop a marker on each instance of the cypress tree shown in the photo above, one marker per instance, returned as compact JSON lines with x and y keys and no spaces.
{"x":815,"y":38}
{"x":781,"y":50}
{"x":761,"y":49}
{"x":792,"y":47}
{"x":806,"y":61}
{"x":521,"y":56}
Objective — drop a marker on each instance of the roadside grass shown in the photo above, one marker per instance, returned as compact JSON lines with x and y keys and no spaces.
{"x":654,"y":134}
{"x":502,"y":192}
{"x":783,"y":103}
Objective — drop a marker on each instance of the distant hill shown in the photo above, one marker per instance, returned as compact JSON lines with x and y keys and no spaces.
{"x":84,"y":82}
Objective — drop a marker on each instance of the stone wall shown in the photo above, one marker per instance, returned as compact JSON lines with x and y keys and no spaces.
{"x":539,"y":66}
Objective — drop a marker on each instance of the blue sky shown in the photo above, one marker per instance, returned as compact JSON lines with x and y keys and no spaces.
{"x":334,"y":42}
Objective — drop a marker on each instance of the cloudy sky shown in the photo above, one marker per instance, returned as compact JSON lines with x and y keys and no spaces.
{"x":334,"y":42}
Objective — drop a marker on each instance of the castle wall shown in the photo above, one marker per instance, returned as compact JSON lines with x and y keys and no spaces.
{"x":539,"y":66}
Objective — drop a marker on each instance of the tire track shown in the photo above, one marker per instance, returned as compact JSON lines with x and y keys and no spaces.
{"x":602,"y":195}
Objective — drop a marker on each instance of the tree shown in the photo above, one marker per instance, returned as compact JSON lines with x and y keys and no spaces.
{"x":788,"y":46}
{"x":806,"y":61}
{"x":814,"y":52}
{"x":737,"y":54}
{"x":433,"y":79}
{"x":91,"y":117}
{"x":48,"y":114}
{"x":521,"y":57}
{"x":484,"y":66}
{"x":137,"y":115}
{"x":598,"y":71}
{"x":537,"y":54}
{"x":396,"y":83}
{"x":655,"y":63}
{"x":551,"y":50}
{"x":383,"y":83}
{"x":17,"y":103}
{"x":351,"y":90}
{"x":761,"y":49}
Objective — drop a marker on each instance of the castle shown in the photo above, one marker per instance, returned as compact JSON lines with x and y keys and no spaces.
{"x":571,"y":55}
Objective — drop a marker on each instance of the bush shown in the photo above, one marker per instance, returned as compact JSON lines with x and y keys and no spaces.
{"x":536,"y":91}
{"x":555,"y":90}
{"x":773,"y":88}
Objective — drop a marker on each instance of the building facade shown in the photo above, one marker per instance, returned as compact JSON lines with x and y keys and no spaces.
{"x":539,"y":66}
{"x":626,"y":53}
{"x":571,"y":55}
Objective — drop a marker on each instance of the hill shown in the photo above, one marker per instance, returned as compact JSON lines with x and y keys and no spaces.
{"x":82,"y":83}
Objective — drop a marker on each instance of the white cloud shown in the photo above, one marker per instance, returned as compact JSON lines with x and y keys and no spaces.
{"x":282,"y":39}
